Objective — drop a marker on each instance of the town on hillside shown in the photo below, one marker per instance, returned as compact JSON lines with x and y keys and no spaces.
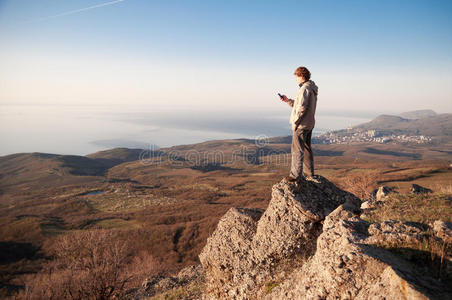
{"x":372,"y":135}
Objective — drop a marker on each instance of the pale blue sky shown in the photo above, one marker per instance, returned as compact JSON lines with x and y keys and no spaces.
{"x":364,"y":55}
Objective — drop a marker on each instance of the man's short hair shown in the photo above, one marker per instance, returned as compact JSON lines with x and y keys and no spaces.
{"x":303,"y":72}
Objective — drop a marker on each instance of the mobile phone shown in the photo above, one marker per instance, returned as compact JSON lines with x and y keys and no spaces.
{"x":280,"y":96}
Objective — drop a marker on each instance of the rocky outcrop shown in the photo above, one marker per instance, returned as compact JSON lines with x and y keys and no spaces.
{"x":394,"y":232}
{"x":229,"y":272}
{"x":383,"y":192}
{"x":319,"y":225}
{"x":417,"y":189}
{"x":350,"y":264}
{"x":248,"y":244}
{"x":377,"y":197}
{"x":443,"y":230}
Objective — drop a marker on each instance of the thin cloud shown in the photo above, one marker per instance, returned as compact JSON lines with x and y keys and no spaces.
{"x":75,"y":11}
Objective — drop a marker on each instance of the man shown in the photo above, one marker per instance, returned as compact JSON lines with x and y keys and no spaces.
{"x":302,"y":121}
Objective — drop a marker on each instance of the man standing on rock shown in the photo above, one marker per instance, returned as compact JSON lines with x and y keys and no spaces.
{"x":302,"y":121}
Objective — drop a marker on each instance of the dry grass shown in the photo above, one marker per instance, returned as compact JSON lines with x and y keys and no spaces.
{"x":192,"y":290}
{"x":443,"y":189}
{"x":414,"y":208}
{"x":431,"y":254}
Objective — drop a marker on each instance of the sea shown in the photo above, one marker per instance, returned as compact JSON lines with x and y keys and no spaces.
{"x":85,"y":129}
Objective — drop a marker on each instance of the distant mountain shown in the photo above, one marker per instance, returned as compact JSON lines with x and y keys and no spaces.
{"x":388,"y":128}
{"x":418,"y":114}
{"x":437,"y":125}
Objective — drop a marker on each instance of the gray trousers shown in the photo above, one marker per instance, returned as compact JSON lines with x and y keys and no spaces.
{"x":302,"y":157}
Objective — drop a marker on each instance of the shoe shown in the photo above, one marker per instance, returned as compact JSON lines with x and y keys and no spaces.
{"x":312,"y":179}
{"x":290,"y":179}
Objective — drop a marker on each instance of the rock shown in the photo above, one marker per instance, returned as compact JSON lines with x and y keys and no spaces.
{"x":396,"y":232}
{"x":373,"y":195}
{"x":148,"y":283}
{"x":189,"y":273}
{"x":348,"y":265}
{"x":443,"y":230}
{"x":157,"y":285}
{"x":417,"y":189}
{"x":292,"y":216}
{"x":319,"y":225}
{"x":224,"y":258}
{"x":166,"y":284}
{"x":382,"y":193}
{"x":248,"y":244}
{"x":366,"y":205}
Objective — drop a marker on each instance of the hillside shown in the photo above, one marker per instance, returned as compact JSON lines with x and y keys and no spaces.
{"x":433,"y":129}
{"x":418,"y":114}
{"x":116,"y":156}
{"x":164,"y":204}
{"x":437,"y":125}
{"x":36,"y":171}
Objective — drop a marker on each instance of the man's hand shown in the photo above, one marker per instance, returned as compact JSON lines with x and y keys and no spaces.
{"x":287,"y":100}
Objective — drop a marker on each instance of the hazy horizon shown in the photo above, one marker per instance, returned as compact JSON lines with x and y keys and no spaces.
{"x":80,"y":130}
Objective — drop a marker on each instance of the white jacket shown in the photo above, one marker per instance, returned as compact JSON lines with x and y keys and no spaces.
{"x":304,"y":106}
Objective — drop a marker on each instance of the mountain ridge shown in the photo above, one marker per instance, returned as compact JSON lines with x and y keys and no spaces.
{"x":418,"y":114}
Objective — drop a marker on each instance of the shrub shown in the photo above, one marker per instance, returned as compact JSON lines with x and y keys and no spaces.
{"x":91,"y":264}
{"x":359,"y":184}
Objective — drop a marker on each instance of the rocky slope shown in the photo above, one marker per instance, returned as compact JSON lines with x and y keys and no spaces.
{"x":310,"y":243}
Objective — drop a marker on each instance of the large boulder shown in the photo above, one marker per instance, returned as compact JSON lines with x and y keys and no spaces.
{"x":248,"y":245}
{"x":417,"y":189}
{"x":383,"y":192}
